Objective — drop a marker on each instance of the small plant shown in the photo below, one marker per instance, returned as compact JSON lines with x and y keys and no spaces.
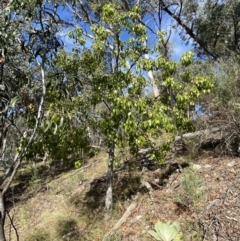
{"x":192,"y":230}
{"x":166,"y":231}
{"x":192,"y":189}
{"x":77,"y":164}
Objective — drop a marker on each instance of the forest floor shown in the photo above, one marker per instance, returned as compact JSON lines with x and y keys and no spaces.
{"x":201,"y":194}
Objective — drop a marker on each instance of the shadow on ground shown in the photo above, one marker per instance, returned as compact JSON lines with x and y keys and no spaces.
{"x":127,"y":183}
{"x":30,"y":180}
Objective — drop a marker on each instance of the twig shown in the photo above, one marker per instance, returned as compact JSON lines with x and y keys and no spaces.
{"x":12,"y":224}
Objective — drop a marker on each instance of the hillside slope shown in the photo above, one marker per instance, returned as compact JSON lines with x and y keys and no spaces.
{"x":202,"y":195}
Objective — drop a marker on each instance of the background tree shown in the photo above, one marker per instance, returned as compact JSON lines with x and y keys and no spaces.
{"x":211,"y":26}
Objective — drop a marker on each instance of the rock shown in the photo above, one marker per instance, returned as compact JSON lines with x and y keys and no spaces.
{"x":207,"y":166}
{"x":156,"y":181}
{"x":136,"y":218}
{"x":196,"y":167}
{"x":231,"y":164}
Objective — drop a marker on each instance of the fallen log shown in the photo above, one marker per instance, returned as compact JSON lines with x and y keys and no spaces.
{"x":220,"y":139}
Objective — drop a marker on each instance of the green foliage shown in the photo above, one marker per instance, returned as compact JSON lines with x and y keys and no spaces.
{"x":215,"y":23}
{"x":61,"y":133}
{"x":166,"y":231}
{"x":226,"y":83}
{"x":110,"y":99}
{"x":129,"y":118}
{"x":192,"y":189}
{"x":186,"y":59}
{"x":77,"y":164}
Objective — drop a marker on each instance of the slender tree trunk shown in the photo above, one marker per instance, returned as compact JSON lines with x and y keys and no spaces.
{"x":109,"y":194}
{"x":2,"y":217}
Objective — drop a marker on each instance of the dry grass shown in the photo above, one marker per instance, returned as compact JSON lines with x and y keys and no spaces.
{"x":53,"y":215}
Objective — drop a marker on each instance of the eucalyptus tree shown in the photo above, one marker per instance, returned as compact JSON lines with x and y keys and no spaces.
{"x":27,"y":43}
{"x":211,"y":26}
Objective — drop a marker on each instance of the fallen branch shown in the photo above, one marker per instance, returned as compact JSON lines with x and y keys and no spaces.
{"x":150,"y":191}
{"x":123,"y":219}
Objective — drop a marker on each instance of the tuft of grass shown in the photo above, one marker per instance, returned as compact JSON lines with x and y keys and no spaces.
{"x":115,"y":237}
{"x":39,"y":235}
{"x":23,"y":214}
{"x":67,"y":229}
{"x":53,"y":187}
{"x":35,"y":181}
{"x":192,"y":230}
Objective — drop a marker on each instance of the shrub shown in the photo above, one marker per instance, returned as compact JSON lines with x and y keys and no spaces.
{"x":192,"y":189}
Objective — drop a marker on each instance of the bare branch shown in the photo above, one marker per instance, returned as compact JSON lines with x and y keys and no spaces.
{"x":86,"y":13}
{"x":12,"y":224}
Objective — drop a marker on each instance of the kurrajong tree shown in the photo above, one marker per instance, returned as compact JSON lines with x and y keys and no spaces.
{"x":113,"y":74}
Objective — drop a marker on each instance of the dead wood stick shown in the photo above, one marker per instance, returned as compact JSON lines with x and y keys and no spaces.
{"x":123,"y":219}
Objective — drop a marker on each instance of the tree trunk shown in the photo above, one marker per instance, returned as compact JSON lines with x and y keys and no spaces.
{"x":154,"y":85}
{"x":2,"y":217}
{"x":109,"y":194}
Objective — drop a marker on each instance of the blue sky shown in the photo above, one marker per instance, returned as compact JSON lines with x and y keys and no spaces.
{"x":178,"y":47}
